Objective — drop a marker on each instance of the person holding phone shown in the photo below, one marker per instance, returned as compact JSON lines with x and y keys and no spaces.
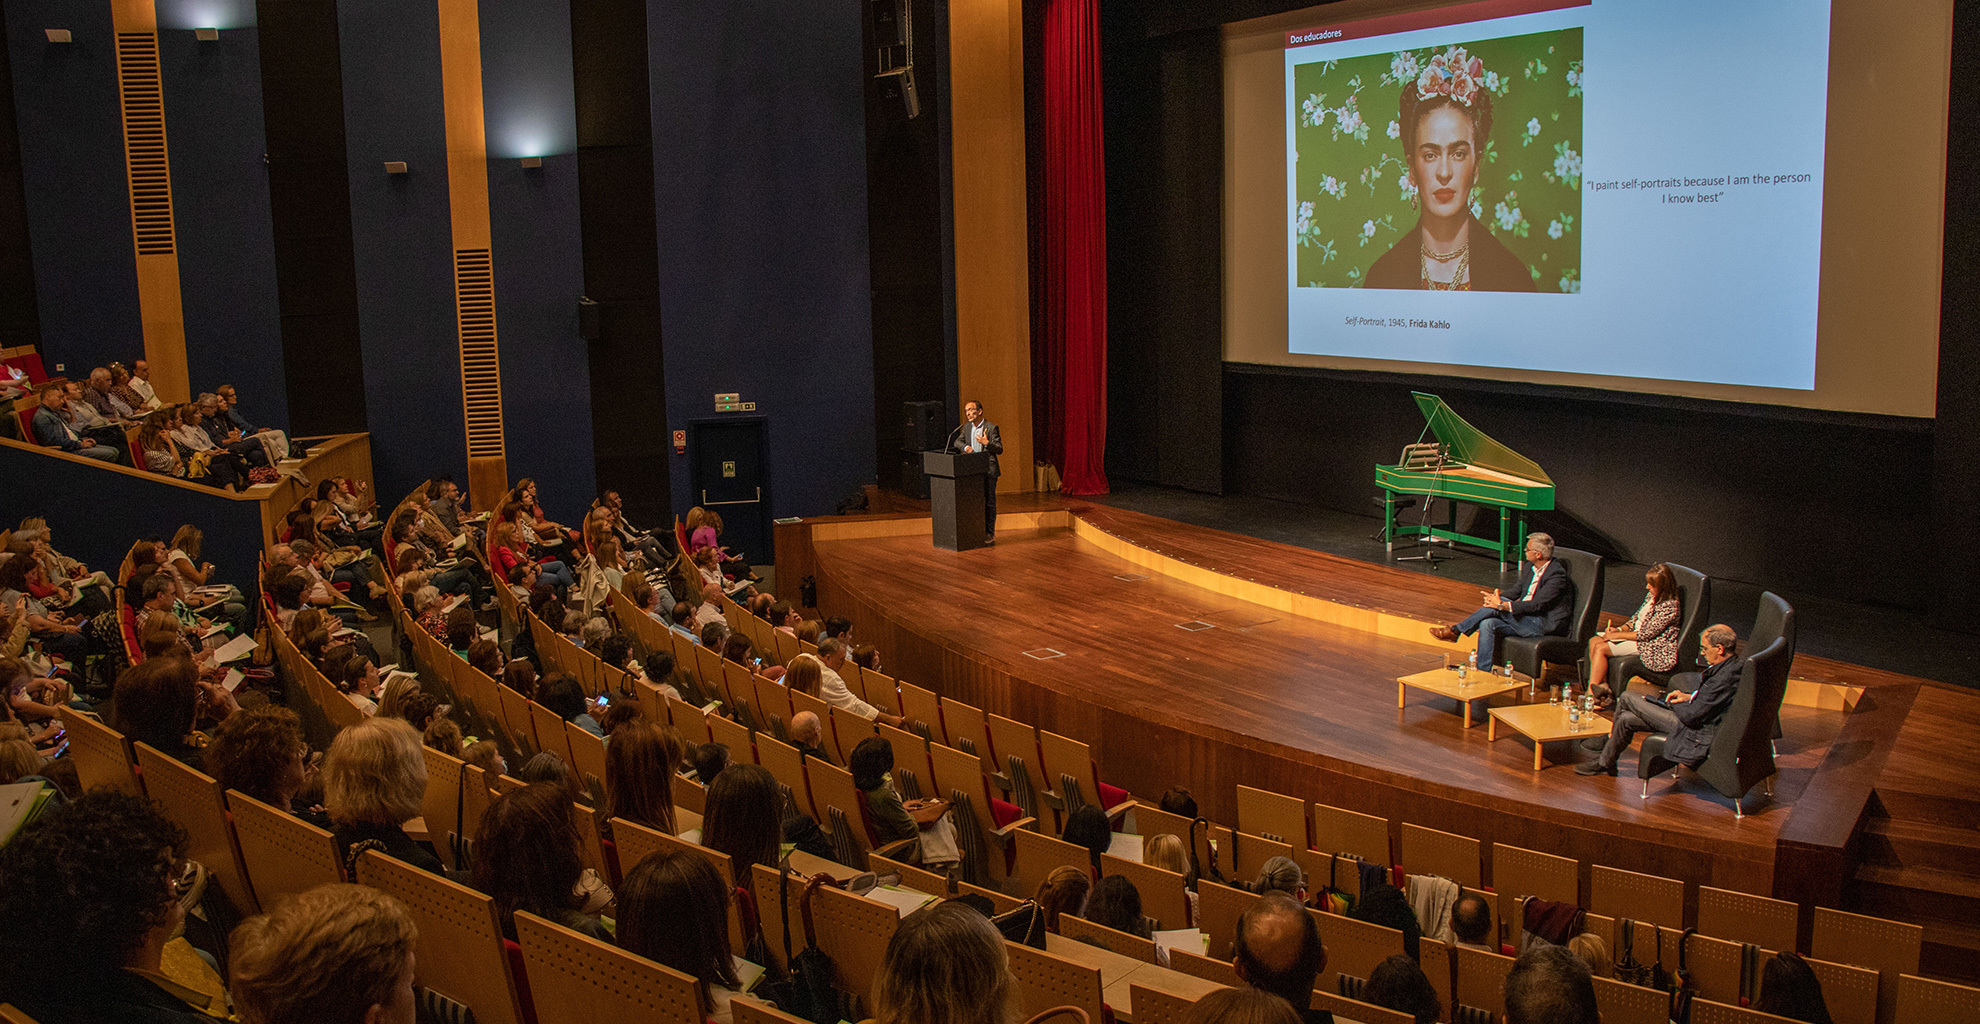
{"x":1689,"y":718}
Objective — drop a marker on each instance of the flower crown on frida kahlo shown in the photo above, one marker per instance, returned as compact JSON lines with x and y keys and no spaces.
{"x":1452,"y":73}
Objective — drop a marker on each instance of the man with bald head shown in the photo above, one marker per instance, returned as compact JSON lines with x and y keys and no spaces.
{"x":710,"y":609}
{"x":808,"y":735}
{"x":1278,"y":950}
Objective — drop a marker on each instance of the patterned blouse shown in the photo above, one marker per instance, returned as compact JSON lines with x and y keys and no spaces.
{"x":1656,"y":627}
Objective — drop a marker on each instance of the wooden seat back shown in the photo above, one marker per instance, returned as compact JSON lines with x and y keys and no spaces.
{"x":1048,"y":980}
{"x":1338,"y":830}
{"x":283,"y":853}
{"x":459,"y":953}
{"x":1613,"y":892}
{"x":102,"y":755}
{"x":1113,"y":939}
{"x":194,"y":801}
{"x":1218,"y":908}
{"x":1518,"y":873}
{"x":1272,"y":815}
{"x":1622,"y":1003}
{"x":1891,"y":948}
{"x":920,"y":704}
{"x":576,"y":979}
{"x":1163,"y":896}
{"x":1038,"y":854}
{"x":1929,"y":1001}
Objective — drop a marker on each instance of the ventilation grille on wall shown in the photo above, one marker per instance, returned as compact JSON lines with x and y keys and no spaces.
{"x":144,"y":142}
{"x":481,"y":368}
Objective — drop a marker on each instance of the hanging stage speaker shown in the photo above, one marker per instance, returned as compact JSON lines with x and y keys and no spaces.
{"x":923,"y":427}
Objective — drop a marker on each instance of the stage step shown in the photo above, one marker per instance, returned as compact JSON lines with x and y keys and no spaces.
{"x":1920,"y":862}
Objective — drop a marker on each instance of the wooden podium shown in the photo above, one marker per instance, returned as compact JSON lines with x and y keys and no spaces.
{"x":955,"y":486}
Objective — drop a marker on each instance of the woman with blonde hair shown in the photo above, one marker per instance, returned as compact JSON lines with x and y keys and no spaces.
{"x":1594,"y":952}
{"x":374,"y":779}
{"x":805,"y":674}
{"x":946,"y":965}
{"x":337,"y":954}
{"x":1166,"y":851}
{"x":399,"y":688}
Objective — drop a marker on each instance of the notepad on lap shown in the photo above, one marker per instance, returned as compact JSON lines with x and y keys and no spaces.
{"x":235,"y":649}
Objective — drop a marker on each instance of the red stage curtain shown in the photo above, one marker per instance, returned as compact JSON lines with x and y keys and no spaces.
{"x":1075,"y":242}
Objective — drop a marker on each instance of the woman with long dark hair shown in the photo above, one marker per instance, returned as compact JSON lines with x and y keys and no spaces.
{"x":741,"y":817}
{"x":526,"y":858}
{"x":674,"y":910}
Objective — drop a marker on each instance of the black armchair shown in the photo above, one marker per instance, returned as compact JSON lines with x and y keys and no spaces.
{"x":1695,"y":599}
{"x":1742,"y":752}
{"x":1774,"y":620}
{"x":1584,"y":569}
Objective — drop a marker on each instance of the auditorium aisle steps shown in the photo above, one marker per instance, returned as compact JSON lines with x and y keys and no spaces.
{"x":1919,"y":847}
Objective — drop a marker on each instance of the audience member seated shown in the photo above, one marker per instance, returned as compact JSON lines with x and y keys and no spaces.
{"x":1689,"y":718}
{"x":871,"y":764}
{"x":1065,"y":891}
{"x":526,"y":857}
{"x":1116,"y":904}
{"x":88,"y":906}
{"x":194,"y":438}
{"x":138,"y":380}
{"x":1789,"y":988}
{"x":656,"y":548}
{"x":832,"y":688}
{"x":741,"y":817}
{"x":946,"y":965}
{"x":1281,"y":874}
{"x":337,"y":954}
{"x":229,"y":413}
{"x":485,"y":656}
{"x":1167,"y":852}
{"x":56,"y":633}
{"x":374,"y":778}
{"x":92,"y":425}
{"x":357,"y":679}
{"x":1278,"y":949}
{"x":807,"y":734}
{"x":104,"y":398}
{"x":53,"y":429}
{"x":639,"y":775}
{"x":160,"y":701}
{"x":1549,"y":985}
{"x":674,"y":910}
{"x":548,"y":767}
{"x":1178,"y":801}
{"x":708,"y":760}
{"x":462,"y":630}
{"x":1387,"y":906}
{"x":161,"y":454}
{"x":486,"y":755}
{"x":59,"y":580}
{"x":1087,"y":827}
{"x":398,"y":690}
{"x":710,"y":609}
{"x":1538,"y":605}
{"x":222,"y":433}
{"x":261,"y":752}
{"x":1594,"y":952}
{"x":520,"y":675}
{"x":1241,"y":1006}
{"x":1398,"y":983}
{"x":560,"y":692}
{"x":184,"y":564}
{"x":511,"y":552}
{"x":1651,"y":633}
{"x":1471,"y":923}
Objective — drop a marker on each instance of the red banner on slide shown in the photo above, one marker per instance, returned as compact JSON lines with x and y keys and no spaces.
{"x":1483,"y":10}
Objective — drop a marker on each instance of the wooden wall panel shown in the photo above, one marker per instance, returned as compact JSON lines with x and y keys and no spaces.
{"x":474,"y":285}
{"x":161,"y":312}
{"x":993,"y":332}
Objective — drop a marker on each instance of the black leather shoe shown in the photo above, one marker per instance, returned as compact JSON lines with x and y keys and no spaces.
{"x":1594,"y":768}
{"x":1595,"y":743}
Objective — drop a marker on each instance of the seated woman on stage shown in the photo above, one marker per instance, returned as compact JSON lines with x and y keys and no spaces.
{"x":1651,"y":634}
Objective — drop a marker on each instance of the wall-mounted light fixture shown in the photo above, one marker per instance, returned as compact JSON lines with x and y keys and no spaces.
{"x":206,"y":35}
{"x":60,"y":35}
{"x":532,"y":163}
{"x":395,"y":167}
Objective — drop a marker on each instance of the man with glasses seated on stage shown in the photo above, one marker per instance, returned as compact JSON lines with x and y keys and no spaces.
{"x":1689,"y":717}
{"x":1538,"y":605}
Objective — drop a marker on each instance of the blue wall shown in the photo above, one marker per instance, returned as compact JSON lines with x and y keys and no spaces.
{"x":220,"y":198}
{"x":529,"y":109}
{"x":78,"y":199}
{"x":402,"y":227}
{"x":759,"y":132}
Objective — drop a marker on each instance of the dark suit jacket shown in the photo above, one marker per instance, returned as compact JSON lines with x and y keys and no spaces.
{"x":1701,"y":714}
{"x":993,"y":443}
{"x":1552,"y":600}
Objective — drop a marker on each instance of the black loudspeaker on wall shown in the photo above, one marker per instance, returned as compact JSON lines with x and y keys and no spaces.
{"x":922,"y":426}
{"x":914,"y":483}
{"x":587,"y":319}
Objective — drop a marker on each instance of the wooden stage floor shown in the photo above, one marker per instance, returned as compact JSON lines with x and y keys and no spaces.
{"x":1291,"y":687}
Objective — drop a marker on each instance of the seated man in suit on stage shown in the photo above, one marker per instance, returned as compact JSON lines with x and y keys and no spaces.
{"x":1538,"y":605}
{"x":1690,"y":718}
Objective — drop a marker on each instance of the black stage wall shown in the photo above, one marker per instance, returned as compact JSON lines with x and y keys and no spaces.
{"x":1858,"y":508}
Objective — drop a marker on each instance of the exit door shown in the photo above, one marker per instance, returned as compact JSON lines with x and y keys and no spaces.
{"x":729,"y":479}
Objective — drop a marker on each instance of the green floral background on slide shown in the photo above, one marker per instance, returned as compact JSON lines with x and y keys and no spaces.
{"x":1353,"y":190}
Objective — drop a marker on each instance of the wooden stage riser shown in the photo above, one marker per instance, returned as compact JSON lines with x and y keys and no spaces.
{"x":1148,"y":757}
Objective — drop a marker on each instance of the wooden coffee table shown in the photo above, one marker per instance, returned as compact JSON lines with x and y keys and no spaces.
{"x":1543,"y":724}
{"x":1444,"y":683}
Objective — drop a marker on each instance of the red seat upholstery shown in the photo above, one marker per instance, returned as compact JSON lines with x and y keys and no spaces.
{"x":29,"y":364}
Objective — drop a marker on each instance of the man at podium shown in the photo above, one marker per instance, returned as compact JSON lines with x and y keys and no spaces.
{"x":977,"y":434}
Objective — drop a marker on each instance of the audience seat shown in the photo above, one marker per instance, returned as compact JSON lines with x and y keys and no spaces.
{"x":1529,"y":654}
{"x":460,"y":952}
{"x":576,"y":979}
{"x":195,"y":801}
{"x":283,"y":853}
